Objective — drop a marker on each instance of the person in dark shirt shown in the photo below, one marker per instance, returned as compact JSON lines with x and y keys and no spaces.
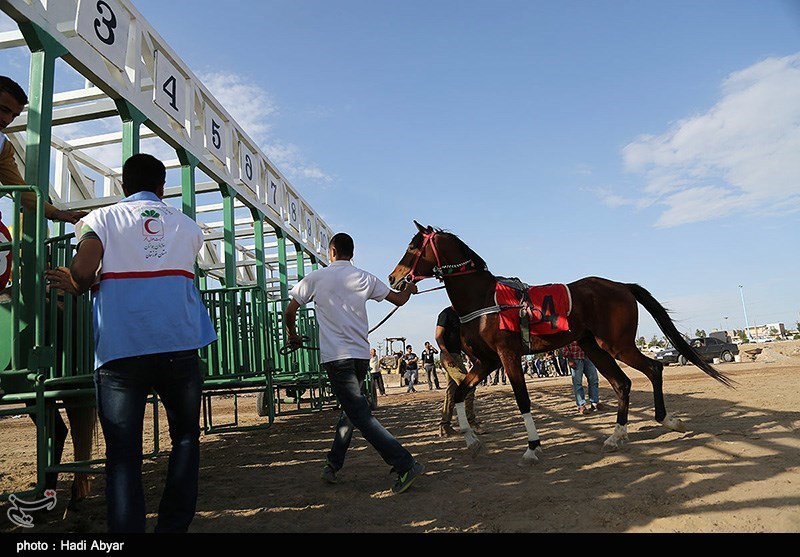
{"x":410,"y":360}
{"x":429,"y":363}
{"x":448,"y":337}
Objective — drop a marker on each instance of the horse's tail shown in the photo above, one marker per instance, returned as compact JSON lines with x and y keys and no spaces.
{"x":667,"y":327}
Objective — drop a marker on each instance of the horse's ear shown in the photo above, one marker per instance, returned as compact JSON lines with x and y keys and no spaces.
{"x":420,"y":227}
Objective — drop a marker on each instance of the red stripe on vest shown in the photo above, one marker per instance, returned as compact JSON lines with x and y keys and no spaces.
{"x":147,"y":274}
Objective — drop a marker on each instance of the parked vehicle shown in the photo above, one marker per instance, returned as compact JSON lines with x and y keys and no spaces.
{"x":708,"y":348}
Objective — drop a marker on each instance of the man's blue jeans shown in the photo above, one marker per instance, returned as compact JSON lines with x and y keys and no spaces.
{"x":122,"y":387}
{"x":584,"y":366}
{"x":346,"y":378}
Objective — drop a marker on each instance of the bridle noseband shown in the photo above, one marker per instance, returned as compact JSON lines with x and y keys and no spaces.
{"x":439,"y":271}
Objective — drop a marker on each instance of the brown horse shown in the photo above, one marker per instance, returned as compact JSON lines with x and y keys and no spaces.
{"x":603,"y":320}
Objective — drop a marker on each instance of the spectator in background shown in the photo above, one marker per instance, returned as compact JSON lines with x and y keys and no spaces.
{"x":410,"y":359}
{"x":375,"y":370}
{"x":580,"y":365}
{"x":497,"y":374}
{"x":429,"y":363}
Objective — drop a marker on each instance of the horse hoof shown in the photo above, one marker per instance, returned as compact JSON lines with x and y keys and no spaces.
{"x":611,"y":445}
{"x":531,"y":457}
{"x":474,"y":444}
{"x":674,"y":424}
{"x":619,"y":437}
{"x":475,"y":448}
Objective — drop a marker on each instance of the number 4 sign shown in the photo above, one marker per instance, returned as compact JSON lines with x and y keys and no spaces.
{"x":170,"y":90}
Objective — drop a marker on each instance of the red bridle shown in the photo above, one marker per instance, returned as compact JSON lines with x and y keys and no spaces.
{"x":439,"y":271}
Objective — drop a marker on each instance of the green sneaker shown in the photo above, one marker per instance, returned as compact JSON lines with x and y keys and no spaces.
{"x":405,"y":479}
{"x":329,"y":474}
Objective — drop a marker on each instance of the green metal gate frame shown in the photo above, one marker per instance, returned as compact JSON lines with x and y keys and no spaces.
{"x":255,"y":318}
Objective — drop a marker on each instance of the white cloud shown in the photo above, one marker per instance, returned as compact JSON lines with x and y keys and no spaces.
{"x":741,"y":156}
{"x":291,"y":162}
{"x":252,"y":106}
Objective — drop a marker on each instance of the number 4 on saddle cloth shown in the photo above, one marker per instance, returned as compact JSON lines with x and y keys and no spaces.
{"x":532,"y":310}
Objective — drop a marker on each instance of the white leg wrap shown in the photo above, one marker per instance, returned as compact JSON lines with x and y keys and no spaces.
{"x":461,"y":413}
{"x":473,"y":443}
{"x":674,"y":423}
{"x":619,"y":436}
{"x":533,"y":435}
{"x":531,"y":455}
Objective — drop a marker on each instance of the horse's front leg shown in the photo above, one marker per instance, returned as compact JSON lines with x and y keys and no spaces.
{"x":513,"y":366}
{"x":465,"y":392}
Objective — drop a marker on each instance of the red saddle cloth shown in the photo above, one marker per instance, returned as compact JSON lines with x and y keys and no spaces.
{"x":547,"y":308}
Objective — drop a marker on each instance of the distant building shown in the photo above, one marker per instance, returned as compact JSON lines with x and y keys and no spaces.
{"x":770,"y":330}
{"x":724,"y":336}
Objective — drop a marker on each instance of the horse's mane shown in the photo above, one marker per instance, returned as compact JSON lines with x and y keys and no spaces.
{"x":477,"y":259}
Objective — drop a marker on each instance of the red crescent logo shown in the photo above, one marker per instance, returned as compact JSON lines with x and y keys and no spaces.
{"x":147,"y":226}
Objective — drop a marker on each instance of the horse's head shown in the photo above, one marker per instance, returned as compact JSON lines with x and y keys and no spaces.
{"x":417,"y":262}
{"x":434,"y":253}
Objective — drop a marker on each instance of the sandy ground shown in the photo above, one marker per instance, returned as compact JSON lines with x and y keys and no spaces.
{"x":735,"y":470}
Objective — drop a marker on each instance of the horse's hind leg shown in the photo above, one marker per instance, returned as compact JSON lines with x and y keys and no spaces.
{"x":654,"y":371}
{"x":621,"y":384}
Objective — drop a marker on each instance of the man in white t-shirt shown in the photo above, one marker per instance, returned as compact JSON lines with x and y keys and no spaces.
{"x":340,"y":293}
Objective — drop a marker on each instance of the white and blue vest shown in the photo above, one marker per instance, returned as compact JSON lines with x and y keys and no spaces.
{"x":145,"y":300}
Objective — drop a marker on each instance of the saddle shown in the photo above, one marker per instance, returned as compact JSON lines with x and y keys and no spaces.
{"x":532,"y":310}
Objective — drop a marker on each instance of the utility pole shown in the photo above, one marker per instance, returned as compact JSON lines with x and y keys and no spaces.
{"x":746,"y":324}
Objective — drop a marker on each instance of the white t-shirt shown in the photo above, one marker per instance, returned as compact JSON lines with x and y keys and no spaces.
{"x":340,"y":293}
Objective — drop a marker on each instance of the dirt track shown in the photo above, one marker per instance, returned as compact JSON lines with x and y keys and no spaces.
{"x":736,"y":469}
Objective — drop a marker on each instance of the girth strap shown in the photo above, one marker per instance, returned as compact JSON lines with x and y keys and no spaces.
{"x":475,"y":314}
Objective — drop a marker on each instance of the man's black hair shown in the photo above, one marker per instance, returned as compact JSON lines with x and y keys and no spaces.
{"x":13,"y":88}
{"x":143,"y":172}
{"x":343,"y":244}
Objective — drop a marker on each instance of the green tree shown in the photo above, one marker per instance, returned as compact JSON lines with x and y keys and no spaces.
{"x":743,"y":337}
{"x":700,"y":333}
{"x":657,"y":342}
{"x":641,"y":342}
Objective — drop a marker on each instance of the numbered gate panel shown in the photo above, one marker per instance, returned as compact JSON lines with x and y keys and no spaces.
{"x":105,"y":25}
{"x":309,"y":227}
{"x":275,"y":193}
{"x":217,"y":134}
{"x":171,"y":91}
{"x":293,"y":210}
{"x":323,"y":236}
{"x":249,"y":167}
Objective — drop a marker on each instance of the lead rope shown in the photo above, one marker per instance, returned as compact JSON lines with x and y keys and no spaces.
{"x":385,"y":319}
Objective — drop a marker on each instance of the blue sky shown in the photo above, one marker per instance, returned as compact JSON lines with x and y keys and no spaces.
{"x":642,"y":141}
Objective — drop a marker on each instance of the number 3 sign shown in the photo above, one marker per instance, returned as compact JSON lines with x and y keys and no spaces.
{"x":104,"y":24}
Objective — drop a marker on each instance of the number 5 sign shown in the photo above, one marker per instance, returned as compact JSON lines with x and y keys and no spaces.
{"x":104,"y":24}
{"x":216,"y":134}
